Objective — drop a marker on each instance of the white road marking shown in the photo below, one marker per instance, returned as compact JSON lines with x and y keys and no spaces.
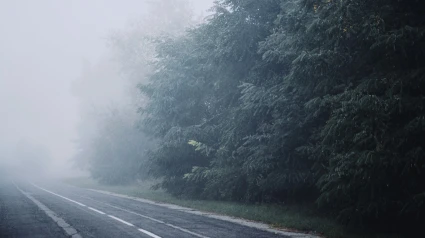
{"x":186,"y":230}
{"x":239,"y":221}
{"x":120,"y":220}
{"x":152,"y":219}
{"x":59,"y":195}
{"x":149,"y":233}
{"x":100,"y":212}
{"x":68,"y":229}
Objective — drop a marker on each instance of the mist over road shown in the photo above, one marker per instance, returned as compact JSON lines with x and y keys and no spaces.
{"x":75,"y":212}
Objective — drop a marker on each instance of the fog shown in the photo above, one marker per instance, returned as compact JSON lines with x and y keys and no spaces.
{"x":306,"y":115}
{"x":47,"y":49}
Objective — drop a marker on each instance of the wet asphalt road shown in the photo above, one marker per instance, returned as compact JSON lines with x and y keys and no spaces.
{"x":94,"y":214}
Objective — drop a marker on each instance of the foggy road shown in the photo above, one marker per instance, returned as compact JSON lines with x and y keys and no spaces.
{"x":49,"y":209}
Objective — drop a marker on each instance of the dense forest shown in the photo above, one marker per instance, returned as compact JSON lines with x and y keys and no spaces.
{"x":290,"y":101}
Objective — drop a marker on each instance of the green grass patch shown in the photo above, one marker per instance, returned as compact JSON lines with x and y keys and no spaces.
{"x":295,"y":218}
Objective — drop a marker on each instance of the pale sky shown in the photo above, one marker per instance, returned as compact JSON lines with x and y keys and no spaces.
{"x":42,"y":46}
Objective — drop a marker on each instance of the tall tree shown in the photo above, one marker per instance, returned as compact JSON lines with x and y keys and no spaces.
{"x":293,"y":100}
{"x":356,"y":70}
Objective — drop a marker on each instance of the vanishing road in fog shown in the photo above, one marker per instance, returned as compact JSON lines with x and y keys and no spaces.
{"x":58,"y":210}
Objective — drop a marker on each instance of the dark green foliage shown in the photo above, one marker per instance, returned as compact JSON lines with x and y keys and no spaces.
{"x":297,"y":100}
{"x":371,"y":147}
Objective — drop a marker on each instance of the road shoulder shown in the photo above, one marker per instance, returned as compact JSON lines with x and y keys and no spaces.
{"x":20,"y":217}
{"x":67,"y":229}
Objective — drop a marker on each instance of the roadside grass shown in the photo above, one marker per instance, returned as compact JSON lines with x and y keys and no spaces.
{"x":289,"y":218}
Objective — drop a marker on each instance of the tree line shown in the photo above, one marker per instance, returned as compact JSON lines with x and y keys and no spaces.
{"x":295,"y":101}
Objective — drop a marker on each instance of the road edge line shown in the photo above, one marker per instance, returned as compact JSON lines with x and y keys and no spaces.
{"x":90,"y":208}
{"x":239,"y":221}
{"x":67,"y":228}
